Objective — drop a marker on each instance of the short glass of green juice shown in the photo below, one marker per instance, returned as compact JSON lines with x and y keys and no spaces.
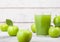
{"x":42,"y":23}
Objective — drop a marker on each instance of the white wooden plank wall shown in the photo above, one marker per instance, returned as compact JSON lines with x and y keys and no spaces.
{"x":29,"y":3}
{"x":24,"y":10}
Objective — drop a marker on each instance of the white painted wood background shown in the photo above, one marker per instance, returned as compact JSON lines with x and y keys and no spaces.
{"x":24,"y":10}
{"x":29,"y":3}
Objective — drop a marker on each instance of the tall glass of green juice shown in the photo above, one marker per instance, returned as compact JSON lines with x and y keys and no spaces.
{"x":42,"y":23}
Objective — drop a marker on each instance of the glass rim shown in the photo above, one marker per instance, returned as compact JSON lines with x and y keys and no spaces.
{"x":43,"y":13}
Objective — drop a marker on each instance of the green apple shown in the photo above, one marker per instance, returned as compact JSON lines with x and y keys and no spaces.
{"x":33,"y":28}
{"x":24,"y":36}
{"x":54,"y":32}
{"x":56,"y":21}
{"x":4,"y":27}
{"x":0,"y":26}
{"x":12,"y":30}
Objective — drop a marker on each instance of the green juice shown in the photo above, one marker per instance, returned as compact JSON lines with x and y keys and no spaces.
{"x":42,"y":24}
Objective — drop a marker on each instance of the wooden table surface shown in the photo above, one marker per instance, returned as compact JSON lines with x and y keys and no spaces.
{"x":4,"y":37}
